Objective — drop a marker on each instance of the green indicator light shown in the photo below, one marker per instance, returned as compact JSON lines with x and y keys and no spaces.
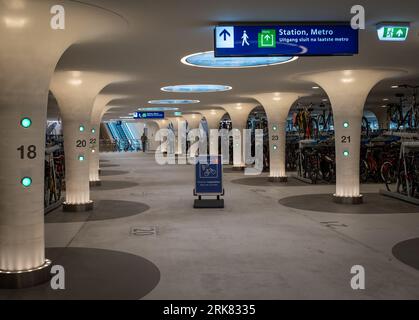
{"x":26,"y":182}
{"x":81,"y":128}
{"x":346,"y":153}
{"x":93,"y":130}
{"x":274,"y":128}
{"x":346,"y":124}
{"x":26,"y":122}
{"x":81,"y":158}
{"x":275,"y":147}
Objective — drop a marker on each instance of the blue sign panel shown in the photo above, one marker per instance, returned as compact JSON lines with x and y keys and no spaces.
{"x":285,"y":40}
{"x":209,"y":175}
{"x":148,"y":115}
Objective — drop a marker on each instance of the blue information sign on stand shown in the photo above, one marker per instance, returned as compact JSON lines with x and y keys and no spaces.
{"x":149,"y":115}
{"x":285,"y":40}
{"x":209,"y":176}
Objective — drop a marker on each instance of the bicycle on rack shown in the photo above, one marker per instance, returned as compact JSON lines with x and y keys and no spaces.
{"x":405,"y":113}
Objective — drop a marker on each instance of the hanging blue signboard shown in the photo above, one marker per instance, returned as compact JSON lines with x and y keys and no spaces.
{"x":209,"y":175}
{"x":148,"y":115}
{"x":285,"y":40}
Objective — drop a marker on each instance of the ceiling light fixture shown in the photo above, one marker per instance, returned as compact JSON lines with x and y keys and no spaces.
{"x":208,"y":60}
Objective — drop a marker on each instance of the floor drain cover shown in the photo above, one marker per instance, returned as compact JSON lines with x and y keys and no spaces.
{"x":143,"y":231}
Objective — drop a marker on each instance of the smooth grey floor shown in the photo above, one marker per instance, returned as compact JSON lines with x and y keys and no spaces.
{"x":105,"y":165}
{"x":102,"y":210}
{"x":95,"y":274}
{"x":373,"y":203}
{"x":254,"y":248}
{"x":264,"y":181}
{"x":105,"y":173}
{"x":408,"y":252}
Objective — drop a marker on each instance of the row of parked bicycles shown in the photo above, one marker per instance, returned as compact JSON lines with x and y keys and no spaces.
{"x":54,"y":171}
{"x":393,"y":163}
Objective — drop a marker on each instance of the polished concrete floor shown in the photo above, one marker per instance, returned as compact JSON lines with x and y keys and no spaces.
{"x":265,"y":244}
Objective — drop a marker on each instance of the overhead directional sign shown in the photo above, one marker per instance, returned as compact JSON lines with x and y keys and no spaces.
{"x":148,"y":115}
{"x":392,"y":32}
{"x":285,"y":40}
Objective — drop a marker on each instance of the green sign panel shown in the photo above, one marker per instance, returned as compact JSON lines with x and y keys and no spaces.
{"x":393,"y":33}
{"x":267,"y":38}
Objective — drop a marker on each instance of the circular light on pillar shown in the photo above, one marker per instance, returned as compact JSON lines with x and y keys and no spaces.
{"x":93,"y":130}
{"x":274,"y":127}
{"x":93,"y":150}
{"x":26,"y":182}
{"x":275,"y":147}
{"x":26,"y":122}
{"x":81,"y":128}
{"x":346,"y":124}
{"x":346,"y":153}
{"x":81,"y":157}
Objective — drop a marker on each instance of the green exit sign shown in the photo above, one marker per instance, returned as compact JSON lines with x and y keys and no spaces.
{"x":392,"y":32}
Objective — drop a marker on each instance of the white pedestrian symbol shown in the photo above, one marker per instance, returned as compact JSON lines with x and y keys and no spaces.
{"x":245,"y":37}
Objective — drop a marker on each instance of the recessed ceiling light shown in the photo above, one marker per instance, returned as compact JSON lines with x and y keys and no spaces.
{"x":208,"y":60}
{"x":315,"y":87}
{"x":385,"y":99}
{"x":196,"y":88}
{"x":394,"y":87}
{"x":173,"y":101}
{"x":75,"y":82}
{"x":158,"y":109}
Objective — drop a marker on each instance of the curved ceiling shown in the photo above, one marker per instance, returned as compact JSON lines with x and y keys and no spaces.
{"x":162,"y":32}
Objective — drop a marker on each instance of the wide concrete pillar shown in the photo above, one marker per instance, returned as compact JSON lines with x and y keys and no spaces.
{"x":162,"y":124}
{"x":348,"y":91}
{"x":277,"y":106}
{"x":30,"y":50}
{"x":381,"y":114}
{"x":193,"y":122}
{"x":100,"y":107}
{"x":239,"y":114}
{"x":76,"y":92}
{"x":179,"y":127}
{"x":213,"y":118}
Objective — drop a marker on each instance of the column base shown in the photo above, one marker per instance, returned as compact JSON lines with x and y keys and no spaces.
{"x":278,"y":179}
{"x":97,"y":183}
{"x":238,"y":168}
{"x":26,"y":278}
{"x":348,"y":200}
{"x":80,"y":207}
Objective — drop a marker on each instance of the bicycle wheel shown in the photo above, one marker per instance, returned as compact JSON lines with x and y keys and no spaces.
{"x":364,"y":171}
{"x":388,"y":174}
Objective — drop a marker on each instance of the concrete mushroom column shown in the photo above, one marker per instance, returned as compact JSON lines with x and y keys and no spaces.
{"x":277,"y":106}
{"x":179,"y":123}
{"x":193,"y":120}
{"x":30,"y":51}
{"x":100,"y":107}
{"x":162,"y":124}
{"x":76,"y":92}
{"x":382,"y":117}
{"x":348,"y":91}
{"x":213,"y":118}
{"x":239,"y":114}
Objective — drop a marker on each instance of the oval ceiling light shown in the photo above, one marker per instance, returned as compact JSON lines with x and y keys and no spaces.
{"x":197,"y":88}
{"x":173,"y":101}
{"x":158,"y":109}
{"x":207,"y":60}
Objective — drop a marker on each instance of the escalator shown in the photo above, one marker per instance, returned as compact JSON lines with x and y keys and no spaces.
{"x":122,"y":136}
